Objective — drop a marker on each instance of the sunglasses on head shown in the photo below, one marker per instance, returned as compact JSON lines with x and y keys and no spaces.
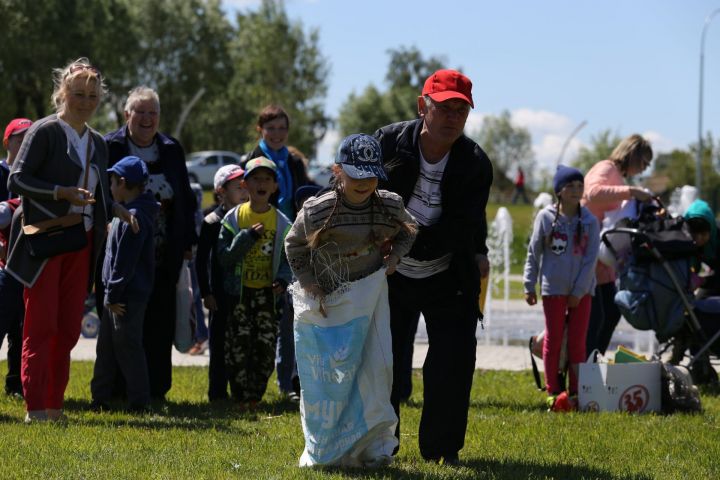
{"x":78,"y":67}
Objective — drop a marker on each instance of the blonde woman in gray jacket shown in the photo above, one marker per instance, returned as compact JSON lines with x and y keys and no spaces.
{"x":60,"y":170}
{"x":561,"y":257}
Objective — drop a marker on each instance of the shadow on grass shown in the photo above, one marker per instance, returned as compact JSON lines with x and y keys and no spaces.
{"x":479,"y":469}
{"x":508,"y":405}
{"x":489,"y":403}
{"x":182,"y":415}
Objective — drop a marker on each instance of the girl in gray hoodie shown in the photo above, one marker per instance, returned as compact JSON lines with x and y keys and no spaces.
{"x":561,"y":256}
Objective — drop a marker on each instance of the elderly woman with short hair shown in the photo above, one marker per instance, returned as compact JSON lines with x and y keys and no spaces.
{"x":60,"y":170}
{"x":175,"y":234}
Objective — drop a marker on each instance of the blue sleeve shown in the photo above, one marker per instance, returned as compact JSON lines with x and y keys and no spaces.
{"x":124,"y":263}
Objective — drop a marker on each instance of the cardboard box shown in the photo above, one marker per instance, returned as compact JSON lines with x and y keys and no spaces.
{"x":626,"y":387}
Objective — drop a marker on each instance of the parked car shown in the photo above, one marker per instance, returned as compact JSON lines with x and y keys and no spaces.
{"x":203,"y":165}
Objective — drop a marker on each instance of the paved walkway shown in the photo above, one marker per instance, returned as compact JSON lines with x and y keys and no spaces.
{"x":491,"y":357}
{"x":502,"y":345}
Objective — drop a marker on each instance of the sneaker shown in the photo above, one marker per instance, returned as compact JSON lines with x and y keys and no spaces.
{"x":36,"y":416}
{"x":290,"y":396}
{"x":199,"y":348}
{"x":453,"y":460}
{"x":562,"y":403}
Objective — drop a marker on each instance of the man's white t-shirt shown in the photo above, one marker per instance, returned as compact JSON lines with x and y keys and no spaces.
{"x":425,"y":205}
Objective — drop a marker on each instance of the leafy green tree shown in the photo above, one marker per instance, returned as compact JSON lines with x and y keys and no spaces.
{"x":275,"y":61}
{"x":679,"y":168}
{"x":407,"y":71}
{"x":601,"y":146}
{"x":41,"y":35}
{"x":185,"y":49}
{"x":177,"y":47}
{"x":508,"y":146}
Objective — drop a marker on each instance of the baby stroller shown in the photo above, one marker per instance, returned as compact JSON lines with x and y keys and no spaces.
{"x":654,"y":253}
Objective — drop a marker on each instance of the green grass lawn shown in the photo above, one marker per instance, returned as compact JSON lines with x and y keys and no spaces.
{"x":510,"y":436}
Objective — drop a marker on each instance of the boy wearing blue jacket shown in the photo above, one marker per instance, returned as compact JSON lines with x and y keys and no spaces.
{"x":255,"y":271}
{"x":128,"y":275}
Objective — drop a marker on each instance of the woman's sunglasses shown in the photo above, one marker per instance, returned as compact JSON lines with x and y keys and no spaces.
{"x":78,"y":67}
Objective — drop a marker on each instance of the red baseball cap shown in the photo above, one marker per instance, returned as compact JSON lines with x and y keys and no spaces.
{"x":16,"y":126}
{"x":446,"y":84}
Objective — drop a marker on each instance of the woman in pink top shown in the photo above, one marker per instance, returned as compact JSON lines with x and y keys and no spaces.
{"x":605,"y":189}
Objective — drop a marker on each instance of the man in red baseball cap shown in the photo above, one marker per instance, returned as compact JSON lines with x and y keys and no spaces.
{"x":444,"y":179}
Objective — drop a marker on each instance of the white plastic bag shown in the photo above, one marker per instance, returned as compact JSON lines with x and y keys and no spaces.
{"x":344,"y":362}
{"x":620,"y":242}
{"x":184,"y":311}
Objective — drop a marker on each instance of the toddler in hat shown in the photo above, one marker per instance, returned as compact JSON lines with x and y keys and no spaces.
{"x":338,"y":245}
{"x":561,"y":256}
{"x":128,"y":276}
{"x":231,"y":192}
{"x":255,"y":273}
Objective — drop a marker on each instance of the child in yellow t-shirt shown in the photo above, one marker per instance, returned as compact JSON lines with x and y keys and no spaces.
{"x":255,"y":271}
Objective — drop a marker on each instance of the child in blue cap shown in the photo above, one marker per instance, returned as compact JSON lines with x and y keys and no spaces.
{"x":561,"y":255}
{"x":128,"y":276}
{"x":337,"y":248}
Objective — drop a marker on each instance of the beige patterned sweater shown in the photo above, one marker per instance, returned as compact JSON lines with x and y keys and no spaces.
{"x":347,"y":250}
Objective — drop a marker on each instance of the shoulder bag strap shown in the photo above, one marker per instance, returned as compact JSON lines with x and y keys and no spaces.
{"x":87,"y":159}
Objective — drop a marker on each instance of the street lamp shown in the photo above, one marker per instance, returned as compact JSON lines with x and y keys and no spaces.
{"x":567,"y":142}
{"x":698,"y":160}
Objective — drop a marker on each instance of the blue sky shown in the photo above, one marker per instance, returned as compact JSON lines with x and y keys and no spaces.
{"x":631,"y":66}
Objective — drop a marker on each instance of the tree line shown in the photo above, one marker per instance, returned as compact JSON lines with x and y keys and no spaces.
{"x":223,"y":70}
{"x":185,"y":49}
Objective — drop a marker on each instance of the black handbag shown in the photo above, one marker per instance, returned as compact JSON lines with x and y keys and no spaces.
{"x":60,"y":234}
{"x":55,"y":236}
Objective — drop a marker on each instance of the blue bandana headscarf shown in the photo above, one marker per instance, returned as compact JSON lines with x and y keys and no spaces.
{"x":280,"y":157}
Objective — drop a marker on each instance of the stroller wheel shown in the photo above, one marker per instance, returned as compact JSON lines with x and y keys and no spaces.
{"x":90,"y":325}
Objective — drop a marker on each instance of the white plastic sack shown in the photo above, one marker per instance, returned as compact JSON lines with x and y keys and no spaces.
{"x":620,"y":242}
{"x":344,"y":362}
{"x":184,"y":310}
{"x":625,"y":387}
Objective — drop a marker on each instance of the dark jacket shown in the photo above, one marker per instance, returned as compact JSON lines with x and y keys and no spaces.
{"x":298,"y":172}
{"x":129,"y":267}
{"x":44,"y":162}
{"x":4,"y":174}
{"x":209,"y":274}
{"x":181,"y":234}
{"x":465,"y":187}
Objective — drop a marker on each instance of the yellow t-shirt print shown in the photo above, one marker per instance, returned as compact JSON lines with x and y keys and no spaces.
{"x":257,"y":264}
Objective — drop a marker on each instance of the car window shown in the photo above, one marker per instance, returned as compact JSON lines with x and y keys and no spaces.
{"x":228,"y":160}
{"x":211,"y":160}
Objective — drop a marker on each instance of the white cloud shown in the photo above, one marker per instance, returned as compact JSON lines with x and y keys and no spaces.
{"x":240,"y":4}
{"x":658,"y":142}
{"x":541,"y":121}
{"x":473,"y":124}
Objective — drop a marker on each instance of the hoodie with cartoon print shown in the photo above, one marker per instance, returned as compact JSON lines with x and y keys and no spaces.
{"x":564,"y":263}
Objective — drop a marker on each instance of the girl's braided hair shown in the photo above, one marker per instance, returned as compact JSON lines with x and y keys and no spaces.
{"x":376,"y":202}
{"x":578,"y":230}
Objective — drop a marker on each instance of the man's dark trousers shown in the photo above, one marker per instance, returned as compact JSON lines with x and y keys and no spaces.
{"x":451,"y":322}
